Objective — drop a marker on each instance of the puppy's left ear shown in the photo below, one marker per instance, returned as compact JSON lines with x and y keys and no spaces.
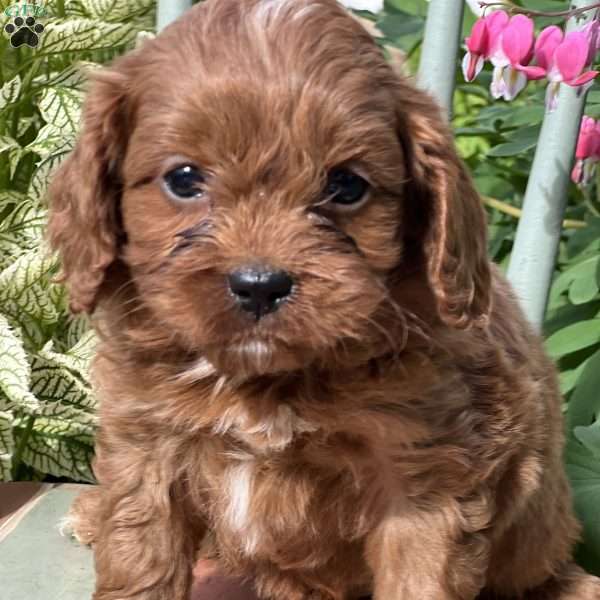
{"x":85,"y":191}
{"x":441,"y":193}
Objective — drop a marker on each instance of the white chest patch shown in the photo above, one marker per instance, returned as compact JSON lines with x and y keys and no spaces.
{"x":239,"y":482}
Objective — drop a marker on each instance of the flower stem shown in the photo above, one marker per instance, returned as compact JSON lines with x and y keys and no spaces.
{"x":515,"y":9}
{"x":513,"y":211}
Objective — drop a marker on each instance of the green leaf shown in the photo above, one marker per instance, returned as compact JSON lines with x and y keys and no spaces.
{"x":574,"y":337}
{"x":7,"y":446}
{"x":569,"y":378}
{"x":585,"y":401}
{"x":583,"y":469}
{"x":411,"y":7}
{"x":15,"y":371}
{"x":585,"y":241}
{"x":579,"y":280}
{"x":589,"y":437}
{"x":520,"y":141}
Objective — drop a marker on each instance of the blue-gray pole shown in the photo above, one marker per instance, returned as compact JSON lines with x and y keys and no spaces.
{"x":437,"y":69}
{"x":169,"y":10}
{"x":539,"y":230}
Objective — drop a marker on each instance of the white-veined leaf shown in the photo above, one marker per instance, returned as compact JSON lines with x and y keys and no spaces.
{"x":43,"y":174}
{"x":75,"y":76}
{"x":61,"y":107}
{"x":116,"y":10}
{"x":85,"y":35}
{"x":20,"y":229}
{"x":6,"y":143}
{"x":9,"y":92}
{"x":76,"y":328}
{"x":7,"y":446}
{"x":60,"y":444}
{"x":14,"y":156}
{"x":23,"y":290}
{"x":51,"y":382}
{"x":15,"y":371}
{"x":8,"y":197}
{"x":77,"y":358}
{"x":26,"y":219}
{"x":51,"y":140}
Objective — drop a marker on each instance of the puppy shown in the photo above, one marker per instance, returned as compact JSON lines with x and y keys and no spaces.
{"x":309,"y":370}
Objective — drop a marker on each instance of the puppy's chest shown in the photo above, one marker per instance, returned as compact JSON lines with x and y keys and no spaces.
{"x":286,"y":511}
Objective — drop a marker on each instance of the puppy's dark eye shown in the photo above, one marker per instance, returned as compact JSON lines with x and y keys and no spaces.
{"x":184,"y":182}
{"x":345,"y":189}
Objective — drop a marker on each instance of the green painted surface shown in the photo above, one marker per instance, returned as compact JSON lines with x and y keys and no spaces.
{"x":37,"y":563}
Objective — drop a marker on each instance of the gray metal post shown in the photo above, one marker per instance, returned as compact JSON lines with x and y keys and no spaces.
{"x":538,"y":233}
{"x":437,"y":69}
{"x":169,"y":10}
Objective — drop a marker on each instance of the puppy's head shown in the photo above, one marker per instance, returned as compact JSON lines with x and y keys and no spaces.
{"x":269,"y":185}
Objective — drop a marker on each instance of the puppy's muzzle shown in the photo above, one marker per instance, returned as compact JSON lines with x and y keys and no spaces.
{"x":260,"y":290}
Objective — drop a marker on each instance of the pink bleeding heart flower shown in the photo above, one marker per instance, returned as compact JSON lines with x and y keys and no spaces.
{"x":511,"y":55}
{"x":563,"y":60}
{"x":483,"y":41}
{"x":587,"y":153}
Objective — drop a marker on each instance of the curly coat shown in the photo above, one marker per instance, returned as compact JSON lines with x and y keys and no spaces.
{"x":395,"y":428}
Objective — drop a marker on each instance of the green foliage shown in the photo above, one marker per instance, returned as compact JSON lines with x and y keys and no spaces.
{"x":47,"y":415}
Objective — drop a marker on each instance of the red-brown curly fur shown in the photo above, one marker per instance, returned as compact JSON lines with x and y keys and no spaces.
{"x":395,"y":427}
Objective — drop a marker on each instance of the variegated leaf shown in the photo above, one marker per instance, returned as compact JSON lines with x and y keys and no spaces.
{"x":23,"y":291}
{"x":38,"y":187}
{"x":8,"y":197}
{"x":85,"y":35}
{"x":51,"y":382}
{"x":61,"y":107}
{"x":15,"y":371}
{"x":117,"y":10}
{"x":77,"y":358}
{"x":60,"y":444}
{"x":15,"y":154}
{"x":75,"y":76}
{"x":20,"y":229}
{"x":77,"y":327}
{"x":7,"y":446}
{"x":9,"y":92}
{"x":7,"y":143}
{"x":51,"y":140}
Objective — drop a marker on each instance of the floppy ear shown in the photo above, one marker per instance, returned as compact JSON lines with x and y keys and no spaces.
{"x":84,"y":194}
{"x":454,"y":237}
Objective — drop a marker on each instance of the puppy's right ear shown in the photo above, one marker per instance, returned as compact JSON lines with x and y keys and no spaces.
{"x":85,"y":192}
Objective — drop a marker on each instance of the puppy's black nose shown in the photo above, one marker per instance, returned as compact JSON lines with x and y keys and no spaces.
{"x":260,"y":290}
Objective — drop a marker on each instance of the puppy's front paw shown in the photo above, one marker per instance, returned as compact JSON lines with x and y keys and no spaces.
{"x":82,"y":520}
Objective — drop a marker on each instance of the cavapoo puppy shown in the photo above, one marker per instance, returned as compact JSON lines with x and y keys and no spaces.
{"x":308,"y":370}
